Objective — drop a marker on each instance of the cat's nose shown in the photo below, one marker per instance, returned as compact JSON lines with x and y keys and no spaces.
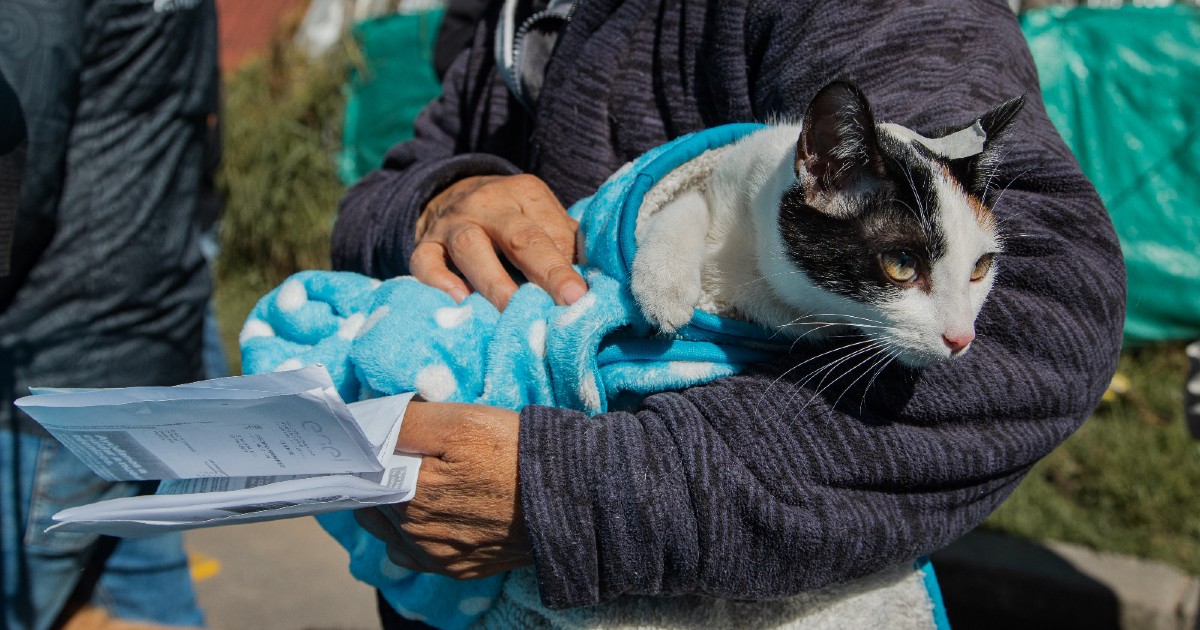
{"x":958,"y":342}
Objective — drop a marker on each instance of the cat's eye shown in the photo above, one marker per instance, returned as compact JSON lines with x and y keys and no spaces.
{"x":982,"y":266}
{"x":900,"y":266}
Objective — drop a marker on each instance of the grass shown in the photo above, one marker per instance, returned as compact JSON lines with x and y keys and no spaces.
{"x":282,"y":128}
{"x":1125,"y":482}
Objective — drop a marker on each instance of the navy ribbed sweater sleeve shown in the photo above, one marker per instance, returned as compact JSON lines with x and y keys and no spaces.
{"x":377,"y":217}
{"x":788,"y":479}
{"x":779,"y":480}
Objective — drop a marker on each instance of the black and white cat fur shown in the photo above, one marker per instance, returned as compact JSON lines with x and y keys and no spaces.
{"x":837,"y":222}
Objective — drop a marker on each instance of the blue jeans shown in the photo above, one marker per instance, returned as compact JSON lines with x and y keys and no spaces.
{"x":142,"y":579}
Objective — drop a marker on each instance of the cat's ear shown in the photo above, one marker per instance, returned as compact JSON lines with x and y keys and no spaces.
{"x":837,"y":146}
{"x":997,"y":121}
{"x":977,"y":171}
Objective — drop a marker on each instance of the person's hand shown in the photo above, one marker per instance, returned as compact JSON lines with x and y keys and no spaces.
{"x":465,"y":520}
{"x":517,"y":215}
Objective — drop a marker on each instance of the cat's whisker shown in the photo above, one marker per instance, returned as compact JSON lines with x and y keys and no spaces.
{"x":910,"y":209}
{"x":865,"y":319}
{"x":923,"y":217}
{"x":797,"y":340}
{"x":823,"y":324}
{"x":830,"y":367}
{"x":994,"y":169}
{"x":801,"y":337}
{"x":881,"y":350}
{"x":1009,"y":185}
{"x":813,"y":358}
{"x":822,"y":386}
{"x":879,"y":370}
{"x":806,"y":320}
{"x":852,"y":350}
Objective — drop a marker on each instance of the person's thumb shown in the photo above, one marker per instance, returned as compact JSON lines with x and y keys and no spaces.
{"x":437,"y":428}
{"x":421,"y":431}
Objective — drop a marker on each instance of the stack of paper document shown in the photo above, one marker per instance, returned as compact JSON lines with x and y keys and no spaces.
{"x":229,"y":450}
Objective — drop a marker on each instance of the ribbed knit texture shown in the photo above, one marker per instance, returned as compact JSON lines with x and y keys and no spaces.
{"x":756,"y":486}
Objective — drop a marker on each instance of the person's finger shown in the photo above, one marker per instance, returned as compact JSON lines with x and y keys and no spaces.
{"x":531,"y":250}
{"x":558,"y":225}
{"x":472,"y":251}
{"x":401,"y":559}
{"x":400,"y":550}
{"x":376,"y":524}
{"x":565,"y":235}
{"x":540,"y":205}
{"x":428,"y":264}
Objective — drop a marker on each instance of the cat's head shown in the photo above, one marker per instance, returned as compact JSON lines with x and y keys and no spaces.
{"x":896,"y":225}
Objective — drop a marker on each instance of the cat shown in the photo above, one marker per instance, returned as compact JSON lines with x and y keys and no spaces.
{"x":838,"y":222}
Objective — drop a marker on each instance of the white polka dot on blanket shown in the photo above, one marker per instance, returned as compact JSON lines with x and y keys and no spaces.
{"x":436,"y":383}
{"x":391,"y":570}
{"x":576,"y":310}
{"x":373,"y":319}
{"x":589,"y":394}
{"x":408,"y":614}
{"x":537,"y":339}
{"x":254,"y":329}
{"x":291,"y":296}
{"x":474,"y":605}
{"x":691,"y":370}
{"x":348,"y":328}
{"x":290,"y":364}
{"x":451,"y":316}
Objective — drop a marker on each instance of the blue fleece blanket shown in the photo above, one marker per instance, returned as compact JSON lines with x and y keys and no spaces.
{"x":380,"y":338}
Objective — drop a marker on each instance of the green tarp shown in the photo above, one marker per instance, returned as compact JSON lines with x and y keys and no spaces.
{"x":1123,"y":88}
{"x":388,"y":86}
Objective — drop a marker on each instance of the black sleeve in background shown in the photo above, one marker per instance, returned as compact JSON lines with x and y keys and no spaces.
{"x":44,"y":78}
{"x":12,"y":120}
{"x":116,"y":96}
{"x":12,"y":169}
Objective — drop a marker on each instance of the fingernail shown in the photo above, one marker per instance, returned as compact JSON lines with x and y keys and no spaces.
{"x":458,"y":295}
{"x":573,"y":291}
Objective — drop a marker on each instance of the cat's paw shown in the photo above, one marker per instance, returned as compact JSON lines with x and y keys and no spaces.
{"x":672,"y":319}
{"x":665,"y":276}
{"x":667,"y":298}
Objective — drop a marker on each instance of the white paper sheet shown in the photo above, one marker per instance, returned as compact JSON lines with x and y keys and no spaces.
{"x":231,"y":450}
{"x":242,"y":500}
{"x":266,"y":424}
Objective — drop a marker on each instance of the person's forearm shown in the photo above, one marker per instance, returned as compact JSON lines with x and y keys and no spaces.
{"x":754,"y":486}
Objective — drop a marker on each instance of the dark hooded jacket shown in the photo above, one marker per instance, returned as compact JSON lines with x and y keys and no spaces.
{"x":761,"y":485}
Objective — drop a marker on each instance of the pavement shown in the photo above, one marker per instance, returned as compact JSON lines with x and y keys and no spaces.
{"x":289,"y":575}
{"x":279,"y":575}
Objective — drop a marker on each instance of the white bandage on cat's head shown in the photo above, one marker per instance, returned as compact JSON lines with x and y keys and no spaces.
{"x":955,"y":146}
